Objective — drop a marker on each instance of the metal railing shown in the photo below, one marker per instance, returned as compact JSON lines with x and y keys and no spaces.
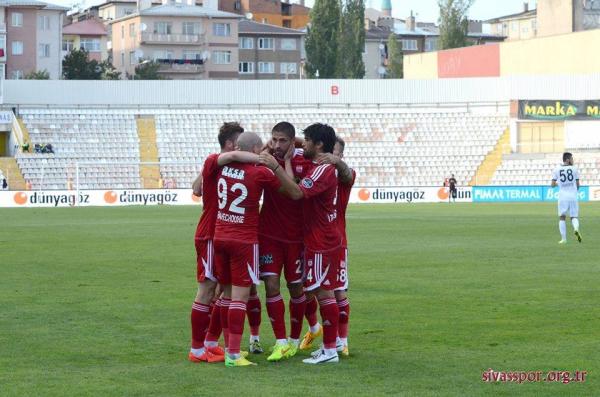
{"x":159,"y":38}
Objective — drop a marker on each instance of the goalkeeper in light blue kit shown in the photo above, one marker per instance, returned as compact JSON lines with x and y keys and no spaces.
{"x":566,"y":177}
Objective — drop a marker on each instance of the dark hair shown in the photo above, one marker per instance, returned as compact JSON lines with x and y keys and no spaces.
{"x":285,"y":128}
{"x":567,"y":156}
{"x":323,"y":133}
{"x":227,"y":131}
{"x":342,"y":143}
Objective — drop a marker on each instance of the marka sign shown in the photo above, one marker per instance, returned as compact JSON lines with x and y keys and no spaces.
{"x":559,"y":110}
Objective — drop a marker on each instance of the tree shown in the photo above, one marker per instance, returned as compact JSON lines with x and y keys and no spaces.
{"x":395,"y":67}
{"x":454,"y":23}
{"x":39,"y":75}
{"x":147,"y":70}
{"x":351,"y":35}
{"x":77,"y":66}
{"x":322,"y":39}
{"x":108,"y":71}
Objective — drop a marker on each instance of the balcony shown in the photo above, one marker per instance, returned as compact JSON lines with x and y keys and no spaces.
{"x":183,"y":66}
{"x":184,"y":39}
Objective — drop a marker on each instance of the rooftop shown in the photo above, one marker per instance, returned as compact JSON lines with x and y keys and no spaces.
{"x":89,"y":27}
{"x":248,"y":27}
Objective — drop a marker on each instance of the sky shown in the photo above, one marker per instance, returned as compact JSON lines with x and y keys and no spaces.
{"x":426,"y":10}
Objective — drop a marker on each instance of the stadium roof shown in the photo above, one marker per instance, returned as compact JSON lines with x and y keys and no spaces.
{"x":90,"y":27}
{"x":31,"y":3}
{"x":252,"y":27}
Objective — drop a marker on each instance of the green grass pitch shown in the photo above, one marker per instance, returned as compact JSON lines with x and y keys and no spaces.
{"x":96,"y":301}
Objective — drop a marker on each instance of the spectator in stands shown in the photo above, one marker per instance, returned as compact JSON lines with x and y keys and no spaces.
{"x":25,"y":147}
{"x":452,"y":185}
{"x":3,"y":183}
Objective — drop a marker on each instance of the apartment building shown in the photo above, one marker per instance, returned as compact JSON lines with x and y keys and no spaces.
{"x":31,"y":38}
{"x":189,"y":41}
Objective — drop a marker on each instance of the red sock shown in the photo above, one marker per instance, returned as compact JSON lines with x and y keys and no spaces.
{"x":330,"y":316}
{"x":199,"y":320}
{"x":297,"y":310}
{"x":225,"y":302}
{"x":214,"y":327}
{"x":276,"y":311}
{"x":254,"y":314}
{"x":237,"y":314}
{"x":311,"y":312}
{"x":344,"y":309}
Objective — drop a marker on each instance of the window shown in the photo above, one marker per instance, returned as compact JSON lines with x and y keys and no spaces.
{"x":221,"y":29}
{"x":132,"y":58}
{"x":17,"y":48}
{"x":237,"y":5}
{"x":288,"y":68}
{"x":67,"y":45}
{"x":266,"y":43}
{"x":266,"y":67}
{"x":163,"y":55}
{"x":90,"y":45}
{"x":192,"y":55}
{"x":431,"y":45}
{"x":246,"y":67}
{"x":409,"y":45}
{"x":16,"y":19}
{"x":44,"y":22}
{"x":246,"y":43}
{"x":132,"y":30}
{"x":17,"y":74}
{"x":2,"y":72}
{"x":190,"y":28}
{"x":162,"y":27}
{"x":44,"y":50}
{"x":515,"y":26}
{"x":287,"y":23}
{"x":128,"y":11}
{"x":122,"y":31}
{"x":524,"y":29}
{"x":534,"y":25}
{"x":288,"y":44}
{"x":221,"y":57}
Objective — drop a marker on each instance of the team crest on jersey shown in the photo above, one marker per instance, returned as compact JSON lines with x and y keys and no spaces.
{"x":307,"y":183}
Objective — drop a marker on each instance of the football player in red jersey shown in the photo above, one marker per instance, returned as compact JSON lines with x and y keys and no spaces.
{"x":322,"y":239}
{"x":281,"y":246}
{"x":204,"y":346}
{"x":239,"y":189}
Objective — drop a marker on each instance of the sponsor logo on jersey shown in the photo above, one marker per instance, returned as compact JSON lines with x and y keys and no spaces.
{"x":299,"y":169}
{"x":233,"y":173}
{"x":266,"y":259}
{"x":307,"y":183}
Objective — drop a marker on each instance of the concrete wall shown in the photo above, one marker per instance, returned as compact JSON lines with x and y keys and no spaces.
{"x":53,"y":37}
{"x":421,"y":66}
{"x":475,"y":61}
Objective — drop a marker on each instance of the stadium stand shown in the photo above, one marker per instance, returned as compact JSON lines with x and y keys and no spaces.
{"x":388,"y":147}
{"x":532,"y":169}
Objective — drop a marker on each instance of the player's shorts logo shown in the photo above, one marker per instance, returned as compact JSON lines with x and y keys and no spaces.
{"x":266,"y":259}
{"x":307,"y":183}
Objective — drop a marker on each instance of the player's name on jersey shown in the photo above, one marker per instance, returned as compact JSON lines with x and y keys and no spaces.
{"x":230,"y":218}
{"x":233,"y":173}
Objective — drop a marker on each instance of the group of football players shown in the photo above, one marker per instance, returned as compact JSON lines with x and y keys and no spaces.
{"x":299,"y":231}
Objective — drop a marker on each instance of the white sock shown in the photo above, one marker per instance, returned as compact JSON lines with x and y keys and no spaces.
{"x":575,"y":222}
{"x":295,"y":342}
{"x":315,"y":328}
{"x":211,"y":344}
{"x":330,"y":352}
{"x":254,"y":338}
{"x":562,"y":226}
{"x":344,"y":341}
{"x":197,"y":352}
{"x":281,"y":342}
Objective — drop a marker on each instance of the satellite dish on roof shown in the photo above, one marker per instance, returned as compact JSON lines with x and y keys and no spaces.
{"x":143,"y":27}
{"x":249,"y":15}
{"x":381,"y":46}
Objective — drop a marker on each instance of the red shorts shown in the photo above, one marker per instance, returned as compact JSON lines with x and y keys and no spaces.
{"x":236,"y":263}
{"x":342,"y":276}
{"x":204,"y":260}
{"x":321,"y":270}
{"x":276,"y":256}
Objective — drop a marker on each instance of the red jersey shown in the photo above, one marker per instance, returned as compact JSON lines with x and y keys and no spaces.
{"x":321,"y":232}
{"x":239,"y":188}
{"x":280,"y":216}
{"x":206,"y":225}
{"x":342,"y":204}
